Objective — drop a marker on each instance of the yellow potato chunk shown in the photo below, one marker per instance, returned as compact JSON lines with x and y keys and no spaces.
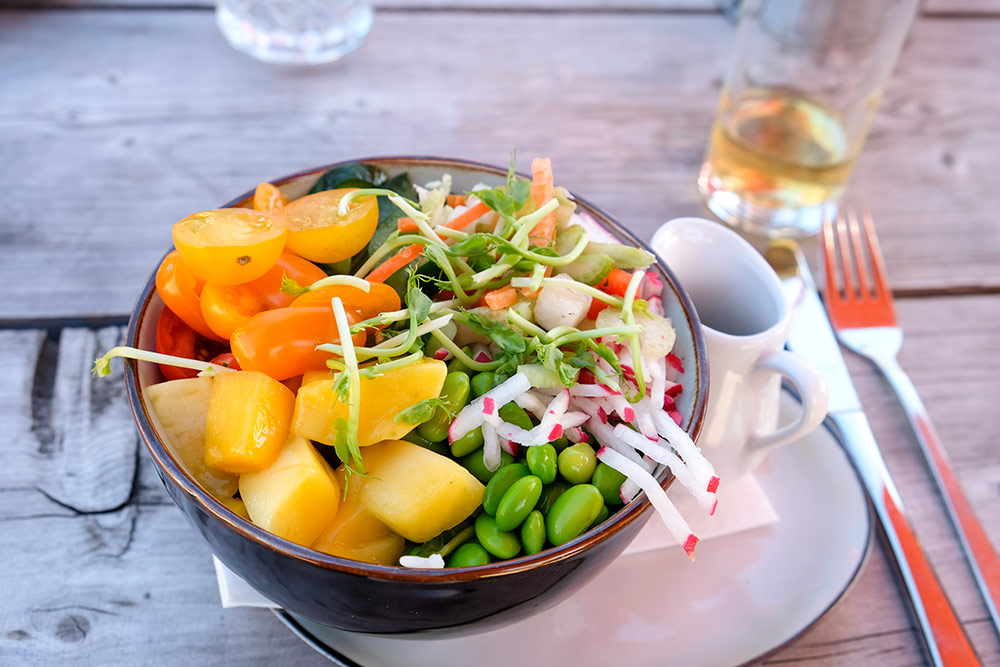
{"x":358,"y":534}
{"x":180,"y":411}
{"x":248,"y":419}
{"x":237,"y":506}
{"x":382,"y":398}
{"x":296,"y":497}
{"x":416,"y":492}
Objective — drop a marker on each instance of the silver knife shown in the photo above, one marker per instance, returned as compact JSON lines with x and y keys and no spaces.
{"x":812,"y":337}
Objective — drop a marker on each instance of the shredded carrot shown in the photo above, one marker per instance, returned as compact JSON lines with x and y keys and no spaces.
{"x":596,"y":306}
{"x":394,"y":263}
{"x":503,"y":297}
{"x":465,"y":217}
{"x":406,"y":225}
{"x":542,"y":190}
{"x":618,"y":281}
{"x":455,"y":200}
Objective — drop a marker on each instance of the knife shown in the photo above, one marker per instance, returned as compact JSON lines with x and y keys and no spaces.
{"x":812,"y":337}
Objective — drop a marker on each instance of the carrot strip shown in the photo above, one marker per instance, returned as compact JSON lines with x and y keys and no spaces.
{"x":618,"y":281}
{"x":394,"y":263}
{"x":406,"y":225}
{"x":542,"y":190}
{"x":455,"y":200}
{"x":465,"y":217}
{"x":503,"y":297}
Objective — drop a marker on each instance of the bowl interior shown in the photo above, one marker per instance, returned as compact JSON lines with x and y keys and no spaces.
{"x":689,"y":347}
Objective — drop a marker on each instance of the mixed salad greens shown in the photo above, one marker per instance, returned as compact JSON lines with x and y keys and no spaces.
{"x":402,"y":374}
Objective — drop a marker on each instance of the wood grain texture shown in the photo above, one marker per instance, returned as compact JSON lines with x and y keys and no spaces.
{"x":171,"y":121}
{"x":102,"y":584}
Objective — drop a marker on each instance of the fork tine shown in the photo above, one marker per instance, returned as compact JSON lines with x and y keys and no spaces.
{"x":844,"y":246}
{"x":878,"y":264}
{"x":864,"y":287}
{"x":830,"y":260}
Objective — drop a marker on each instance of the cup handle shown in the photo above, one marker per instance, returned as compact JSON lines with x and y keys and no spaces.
{"x":811,"y":388}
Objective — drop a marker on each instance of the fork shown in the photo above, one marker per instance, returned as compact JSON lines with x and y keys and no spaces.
{"x":860,"y":308}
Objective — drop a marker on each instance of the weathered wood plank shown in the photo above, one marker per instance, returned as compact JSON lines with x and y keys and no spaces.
{"x":135,"y":585}
{"x":138,"y":136}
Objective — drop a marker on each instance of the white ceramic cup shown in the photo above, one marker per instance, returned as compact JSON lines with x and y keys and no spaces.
{"x":745,"y":318}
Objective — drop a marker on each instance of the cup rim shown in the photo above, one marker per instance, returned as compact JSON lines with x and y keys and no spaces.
{"x":262,"y":538}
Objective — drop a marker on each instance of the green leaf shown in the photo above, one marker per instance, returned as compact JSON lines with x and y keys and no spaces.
{"x":352,"y":175}
{"x":420,"y":412}
{"x":472,"y":246}
{"x":418,"y":302}
{"x":289,"y":286}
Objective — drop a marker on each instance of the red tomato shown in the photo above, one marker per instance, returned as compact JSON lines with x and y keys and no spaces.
{"x":175,"y":338}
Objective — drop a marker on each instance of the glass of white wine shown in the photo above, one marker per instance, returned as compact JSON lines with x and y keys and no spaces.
{"x":799,"y":97}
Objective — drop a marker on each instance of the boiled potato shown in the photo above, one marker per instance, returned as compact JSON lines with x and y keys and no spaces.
{"x":296,"y":497}
{"x":382,"y":398}
{"x":180,"y":412}
{"x":416,"y":492}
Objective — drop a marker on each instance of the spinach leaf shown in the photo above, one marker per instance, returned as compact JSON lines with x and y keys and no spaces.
{"x":353,"y":175}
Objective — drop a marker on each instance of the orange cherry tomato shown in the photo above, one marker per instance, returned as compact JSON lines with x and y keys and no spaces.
{"x":282,"y":342}
{"x":268,"y":286}
{"x":228,"y":307}
{"x":379,"y":299}
{"x":181,"y":292}
{"x":317,"y":231}
{"x":230,"y":246}
{"x":268,"y":198}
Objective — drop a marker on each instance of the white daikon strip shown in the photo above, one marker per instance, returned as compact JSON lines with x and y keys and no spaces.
{"x":658,"y":386}
{"x":491,"y":447}
{"x":424,"y":328}
{"x":532,"y":403}
{"x":622,"y":407}
{"x":573,"y":418}
{"x":662,"y":454}
{"x":590,"y":390}
{"x":644,"y":421}
{"x":682,"y":442}
{"x":471,"y":415}
{"x":672,"y":519}
{"x":432,"y":562}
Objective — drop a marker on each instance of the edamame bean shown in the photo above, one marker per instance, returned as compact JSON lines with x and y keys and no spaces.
{"x":512,"y":413}
{"x":499,"y":483}
{"x":533,"y":533}
{"x":572,"y":513}
{"x":498,"y":542}
{"x":436,"y":447}
{"x":609,"y":482}
{"x":455,"y":364}
{"x":455,"y":394}
{"x":561,"y":443}
{"x":482,"y":383}
{"x":577,"y":463}
{"x":550,"y":493}
{"x":518,"y":501}
{"x":469,"y":442}
{"x":469,"y":554}
{"x":474,"y":463}
{"x":601,"y":517}
{"x":543,"y":462}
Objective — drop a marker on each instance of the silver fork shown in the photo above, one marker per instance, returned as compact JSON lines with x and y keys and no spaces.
{"x":863,"y":316}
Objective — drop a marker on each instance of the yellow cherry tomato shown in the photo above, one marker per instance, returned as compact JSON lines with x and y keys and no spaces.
{"x":230,"y":246}
{"x":317,"y":231}
{"x":268,"y":198}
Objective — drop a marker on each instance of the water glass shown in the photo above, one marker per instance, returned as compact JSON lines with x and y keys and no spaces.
{"x":798,"y":100}
{"x":297,"y":32}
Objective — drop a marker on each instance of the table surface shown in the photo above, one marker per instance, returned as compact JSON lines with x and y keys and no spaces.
{"x":119,"y":117}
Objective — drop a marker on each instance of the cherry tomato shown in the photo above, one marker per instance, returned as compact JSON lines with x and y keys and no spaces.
{"x":268,"y":198}
{"x":230,"y":246}
{"x":282,"y":342}
{"x":177,"y":339}
{"x":379,"y":299}
{"x":268,"y":286}
{"x":228,"y":307}
{"x":226,"y":359}
{"x":181,"y":292}
{"x":317,"y":231}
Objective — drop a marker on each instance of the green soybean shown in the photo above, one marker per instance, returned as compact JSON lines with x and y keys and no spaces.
{"x":455,"y":394}
{"x":609,"y":482}
{"x":455,"y":364}
{"x":518,"y":501}
{"x":542,"y":460}
{"x":482,"y":383}
{"x":561,"y":443}
{"x":577,"y":463}
{"x":572,"y":513}
{"x":474,"y":463}
{"x":533,"y":533}
{"x":469,"y":554}
{"x":601,"y":517}
{"x":469,"y":442}
{"x":550,"y":493}
{"x":512,"y":413}
{"x":499,"y":483}
{"x":436,"y":447}
{"x":498,"y":542}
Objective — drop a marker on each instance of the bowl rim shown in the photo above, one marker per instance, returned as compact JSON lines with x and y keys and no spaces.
{"x":210,"y":505}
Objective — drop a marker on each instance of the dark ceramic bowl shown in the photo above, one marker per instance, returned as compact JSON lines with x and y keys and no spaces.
{"x":390,"y":600}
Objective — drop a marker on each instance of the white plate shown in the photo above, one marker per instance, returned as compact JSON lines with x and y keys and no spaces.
{"x":747,"y":595}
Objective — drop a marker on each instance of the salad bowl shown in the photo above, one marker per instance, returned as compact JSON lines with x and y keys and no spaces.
{"x":361,"y":597}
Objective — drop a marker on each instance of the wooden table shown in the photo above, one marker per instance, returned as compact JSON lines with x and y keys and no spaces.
{"x":118,"y":118}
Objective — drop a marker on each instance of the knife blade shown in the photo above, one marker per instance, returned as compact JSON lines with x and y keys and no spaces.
{"x":812,"y":337}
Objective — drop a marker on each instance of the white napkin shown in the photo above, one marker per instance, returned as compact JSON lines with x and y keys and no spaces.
{"x":742,"y":506}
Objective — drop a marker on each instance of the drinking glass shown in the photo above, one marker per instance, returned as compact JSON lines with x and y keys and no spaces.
{"x":799,"y":97}
{"x":299,"y":32}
